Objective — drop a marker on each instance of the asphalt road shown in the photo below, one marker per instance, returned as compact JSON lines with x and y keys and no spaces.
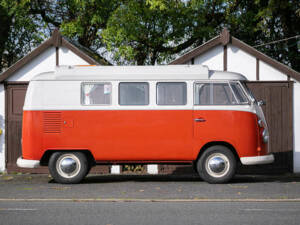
{"x":120,"y":213}
{"x":149,"y":187}
{"x":160,"y":199}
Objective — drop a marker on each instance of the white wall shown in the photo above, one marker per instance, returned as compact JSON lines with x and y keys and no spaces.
{"x":267,"y":72}
{"x":241,"y":62}
{"x":212,"y":58}
{"x":2,"y":127}
{"x":67,"y":57}
{"x":43,"y":63}
{"x":296,"y":127}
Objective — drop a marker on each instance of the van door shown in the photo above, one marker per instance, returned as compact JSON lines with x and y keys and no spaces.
{"x":211,"y":115}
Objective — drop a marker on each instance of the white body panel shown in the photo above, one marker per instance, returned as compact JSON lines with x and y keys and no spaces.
{"x":176,"y":72}
{"x":40,"y":96}
{"x":61,"y":90}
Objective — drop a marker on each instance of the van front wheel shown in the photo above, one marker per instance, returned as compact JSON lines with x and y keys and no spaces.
{"x":217,"y":165}
{"x":68,"y":167}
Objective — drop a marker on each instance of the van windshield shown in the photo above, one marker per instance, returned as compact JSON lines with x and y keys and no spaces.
{"x":249,"y":92}
{"x":239,"y":93}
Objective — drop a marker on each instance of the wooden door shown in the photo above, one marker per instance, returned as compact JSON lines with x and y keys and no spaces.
{"x":278,"y":110}
{"x":15,"y":95}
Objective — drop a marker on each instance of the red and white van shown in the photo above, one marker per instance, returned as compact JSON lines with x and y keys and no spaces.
{"x":77,"y":117}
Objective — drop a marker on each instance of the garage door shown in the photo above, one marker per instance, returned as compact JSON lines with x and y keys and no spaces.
{"x":15,"y":95}
{"x":278,"y":109}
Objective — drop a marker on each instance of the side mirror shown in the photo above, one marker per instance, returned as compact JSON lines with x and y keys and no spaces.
{"x":261,"y":102}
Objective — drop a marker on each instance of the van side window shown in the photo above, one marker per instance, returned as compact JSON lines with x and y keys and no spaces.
{"x":171,"y":93}
{"x":214,"y":94}
{"x":134,"y":93}
{"x":96,"y":93}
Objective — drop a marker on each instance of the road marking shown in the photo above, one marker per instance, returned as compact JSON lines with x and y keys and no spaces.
{"x":142,"y":200}
{"x":16,"y":209}
{"x":271,"y":210}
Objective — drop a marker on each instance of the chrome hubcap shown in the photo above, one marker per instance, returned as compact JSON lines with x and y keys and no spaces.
{"x":68,"y":165}
{"x":217,"y":165}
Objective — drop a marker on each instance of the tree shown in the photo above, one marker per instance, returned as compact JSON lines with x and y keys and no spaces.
{"x":259,"y":22}
{"x":79,"y":20}
{"x":149,"y":32}
{"x":280,"y":19}
{"x":18,"y":32}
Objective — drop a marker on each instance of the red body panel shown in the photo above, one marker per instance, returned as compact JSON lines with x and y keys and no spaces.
{"x":141,"y":135}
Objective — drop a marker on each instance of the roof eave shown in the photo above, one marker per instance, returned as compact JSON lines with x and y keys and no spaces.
{"x":20,"y":63}
{"x":225,"y":38}
{"x":55,"y":40}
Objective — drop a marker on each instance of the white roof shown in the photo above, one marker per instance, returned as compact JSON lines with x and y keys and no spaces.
{"x":168,"y":72}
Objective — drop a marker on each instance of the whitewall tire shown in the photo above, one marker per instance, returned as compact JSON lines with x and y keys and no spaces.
{"x":68,"y":167}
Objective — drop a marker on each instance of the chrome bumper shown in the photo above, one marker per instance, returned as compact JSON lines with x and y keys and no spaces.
{"x":27,"y":163}
{"x":256,"y":160}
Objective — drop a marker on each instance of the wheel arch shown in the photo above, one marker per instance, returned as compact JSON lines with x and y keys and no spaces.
{"x":222,"y":143}
{"x":47,"y":154}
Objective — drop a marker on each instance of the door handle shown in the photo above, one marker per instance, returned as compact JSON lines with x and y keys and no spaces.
{"x":200,"y":120}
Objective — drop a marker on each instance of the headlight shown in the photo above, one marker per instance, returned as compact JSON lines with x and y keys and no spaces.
{"x":265,"y":136}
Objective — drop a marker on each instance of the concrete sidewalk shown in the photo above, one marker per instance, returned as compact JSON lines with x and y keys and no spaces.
{"x":151,"y":187}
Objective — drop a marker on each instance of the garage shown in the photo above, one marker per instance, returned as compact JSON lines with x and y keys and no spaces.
{"x":274,"y":83}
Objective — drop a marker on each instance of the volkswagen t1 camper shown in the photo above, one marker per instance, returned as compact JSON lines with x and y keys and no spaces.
{"x":78,"y":117}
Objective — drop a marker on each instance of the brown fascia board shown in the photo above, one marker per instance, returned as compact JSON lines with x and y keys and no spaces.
{"x":197,"y":51}
{"x":78,"y":52}
{"x":26,"y":59}
{"x":259,"y":55}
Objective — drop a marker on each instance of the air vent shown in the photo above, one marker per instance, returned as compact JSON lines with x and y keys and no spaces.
{"x":52,"y":122}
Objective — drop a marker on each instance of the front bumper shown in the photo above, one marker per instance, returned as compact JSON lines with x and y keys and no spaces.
{"x":27,"y":163}
{"x":256,"y":160}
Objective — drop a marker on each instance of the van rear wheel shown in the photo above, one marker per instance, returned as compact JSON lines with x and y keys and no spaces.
{"x":68,"y":167}
{"x":217,"y":165}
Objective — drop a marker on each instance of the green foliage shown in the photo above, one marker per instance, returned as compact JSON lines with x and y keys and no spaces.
{"x":138,"y":32}
{"x":19,"y":33}
{"x":148,"y":31}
